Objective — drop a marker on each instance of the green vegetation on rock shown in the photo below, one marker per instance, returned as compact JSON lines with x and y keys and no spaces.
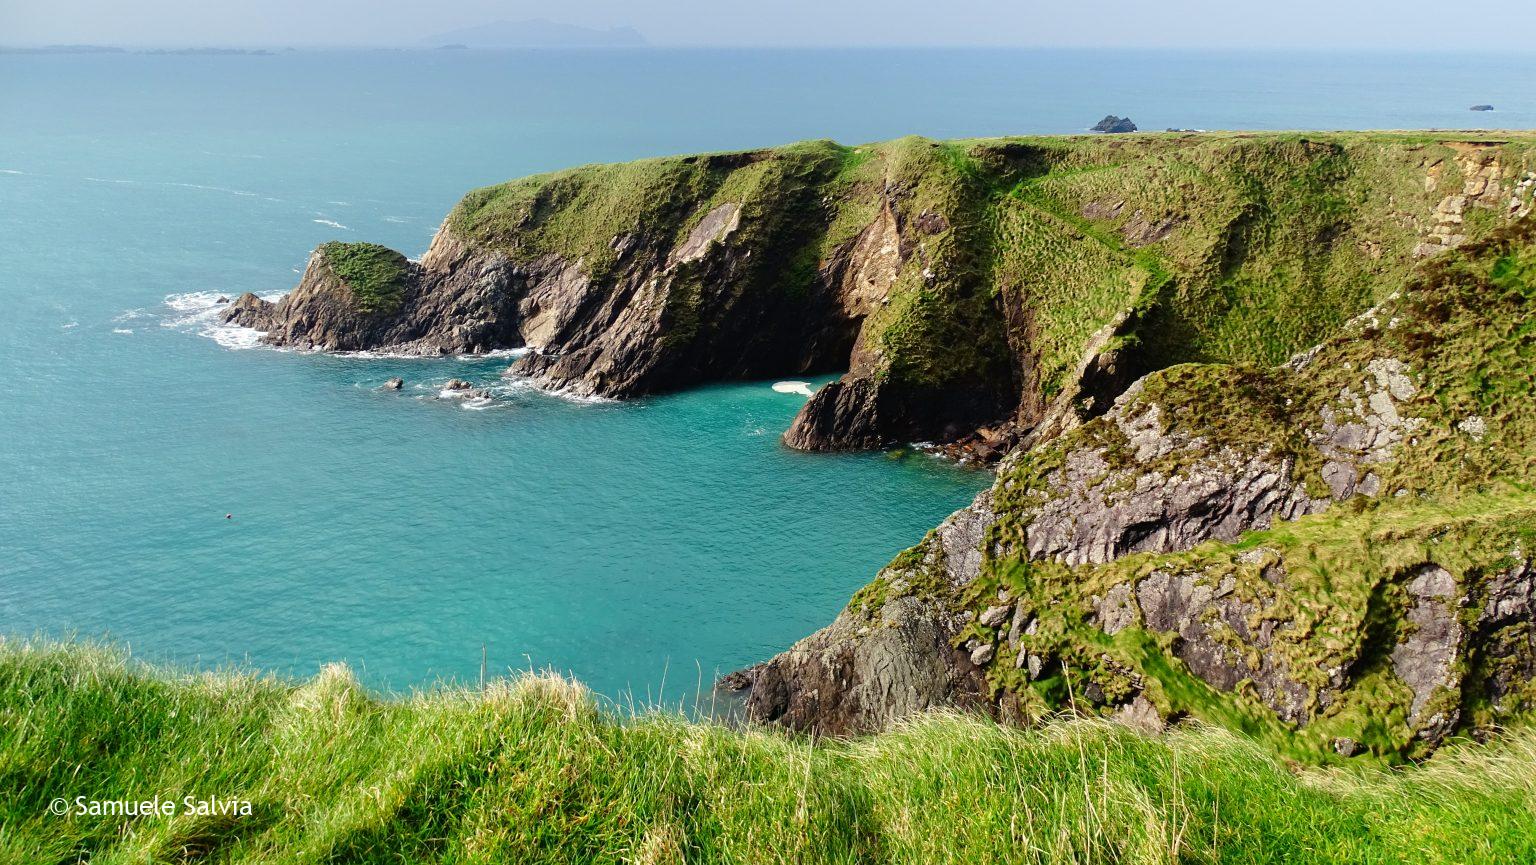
{"x":1417,"y":418}
{"x":1011,"y":253}
{"x":376,"y":275}
{"x":530,"y":770}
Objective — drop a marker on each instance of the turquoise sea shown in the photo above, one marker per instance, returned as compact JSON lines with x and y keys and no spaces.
{"x":642,"y":546}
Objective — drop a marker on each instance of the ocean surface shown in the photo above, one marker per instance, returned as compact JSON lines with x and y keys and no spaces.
{"x":642,"y":546}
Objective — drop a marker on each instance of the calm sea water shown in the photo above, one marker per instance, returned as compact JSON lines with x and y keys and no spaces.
{"x":631,"y":544}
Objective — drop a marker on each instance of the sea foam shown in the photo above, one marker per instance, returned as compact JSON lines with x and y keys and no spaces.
{"x":200,"y":312}
{"x":800,"y":387}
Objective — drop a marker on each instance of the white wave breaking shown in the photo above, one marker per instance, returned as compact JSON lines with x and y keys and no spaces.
{"x":332,"y":223}
{"x":200,"y":313}
{"x":519,"y":384}
{"x":800,"y":387}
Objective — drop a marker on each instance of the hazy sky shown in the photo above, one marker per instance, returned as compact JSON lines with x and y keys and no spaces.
{"x":1365,"y":24}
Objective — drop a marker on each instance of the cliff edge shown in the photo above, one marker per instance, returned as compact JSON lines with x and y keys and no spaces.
{"x":982,"y":292}
{"x":1333,"y":553}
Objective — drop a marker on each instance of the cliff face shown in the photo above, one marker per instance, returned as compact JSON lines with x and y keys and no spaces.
{"x":1250,"y":477}
{"x":1333,"y":553}
{"x":985,"y":290}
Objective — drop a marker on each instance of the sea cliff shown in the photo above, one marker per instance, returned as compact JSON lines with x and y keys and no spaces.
{"x":1260,"y":402}
{"x":960,"y":284}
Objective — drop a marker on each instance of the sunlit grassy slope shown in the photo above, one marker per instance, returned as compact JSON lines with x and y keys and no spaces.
{"x":531,"y":770}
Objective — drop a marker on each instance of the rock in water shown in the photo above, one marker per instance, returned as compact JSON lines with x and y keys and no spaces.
{"x":394,"y":384}
{"x":1111,"y":123}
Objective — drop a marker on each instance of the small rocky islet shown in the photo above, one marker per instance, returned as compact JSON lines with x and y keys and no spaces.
{"x":1259,"y":404}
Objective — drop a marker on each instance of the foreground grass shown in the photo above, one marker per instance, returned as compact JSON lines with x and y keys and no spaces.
{"x":531,"y":771}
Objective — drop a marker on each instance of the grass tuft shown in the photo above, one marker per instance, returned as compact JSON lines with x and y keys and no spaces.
{"x":532,"y":770}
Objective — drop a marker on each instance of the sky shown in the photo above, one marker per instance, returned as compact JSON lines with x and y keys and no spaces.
{"x":1372,"y":25}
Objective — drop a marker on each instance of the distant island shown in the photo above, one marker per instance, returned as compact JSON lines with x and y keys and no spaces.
{"x":536,"y":33}
{"x":65,"y":49}
{"x":113,"y":49}
{"x":217,"y":52}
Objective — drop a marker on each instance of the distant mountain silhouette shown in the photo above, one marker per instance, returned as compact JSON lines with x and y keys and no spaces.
{"x":537,"y":33}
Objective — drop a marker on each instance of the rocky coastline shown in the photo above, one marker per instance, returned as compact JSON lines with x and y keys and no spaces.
{"x":1159,"y":366}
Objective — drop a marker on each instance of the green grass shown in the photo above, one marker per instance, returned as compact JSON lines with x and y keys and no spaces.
{"x":1018,"y":250}
{"x":376,"y":275}
{"x":1465,"y":330}
{"x":530,"y":770}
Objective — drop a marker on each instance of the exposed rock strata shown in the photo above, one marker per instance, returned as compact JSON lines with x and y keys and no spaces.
{"x":957,"y":283}
{"x":1101,"y":573}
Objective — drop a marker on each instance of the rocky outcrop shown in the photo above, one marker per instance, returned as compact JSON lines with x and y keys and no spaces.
{"x":1113,"y":124}
{"x":862,"y":675}
{"x":453,"y":302}
{"x":1484,"y":185}
{"x":1238,"y":542}
{"x":966,"y":287}
{"x":882,"y":660}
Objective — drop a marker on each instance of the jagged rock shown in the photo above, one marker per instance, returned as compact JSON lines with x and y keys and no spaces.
{"x":222,"y":299}
{"x":1424,"y":659}
{"x":248,"y":310}
{"x":983,"y":653}
{"x":994,"y":616}
{"x":1139,"y":714}
{"x":1114,"y":124}
{"x":457,"y":384}
{"x":394,"y":384}
{"x":1189,"y":456}
{"x":941,"y":335}
{"x":856,"y":675}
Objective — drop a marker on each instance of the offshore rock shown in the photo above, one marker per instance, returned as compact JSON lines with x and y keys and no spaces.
{"x":1113,"y":124}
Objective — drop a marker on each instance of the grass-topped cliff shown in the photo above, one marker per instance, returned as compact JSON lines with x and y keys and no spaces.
{"x":531,"y":771}
{"x":959,"y":282}
{"x":1266,"y":401}
{"x":376,"y":276}
{"x":1333,"y":554}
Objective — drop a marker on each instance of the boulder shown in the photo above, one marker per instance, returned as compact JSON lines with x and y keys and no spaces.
{"x":1114,"y":124}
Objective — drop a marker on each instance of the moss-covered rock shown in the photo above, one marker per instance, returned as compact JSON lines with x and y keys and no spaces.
{"x":1333,"y":553}
{"x":376,"y":275}
{"x":992,"y":283}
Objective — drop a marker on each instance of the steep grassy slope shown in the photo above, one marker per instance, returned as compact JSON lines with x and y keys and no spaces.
{"x":530,"y":771}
